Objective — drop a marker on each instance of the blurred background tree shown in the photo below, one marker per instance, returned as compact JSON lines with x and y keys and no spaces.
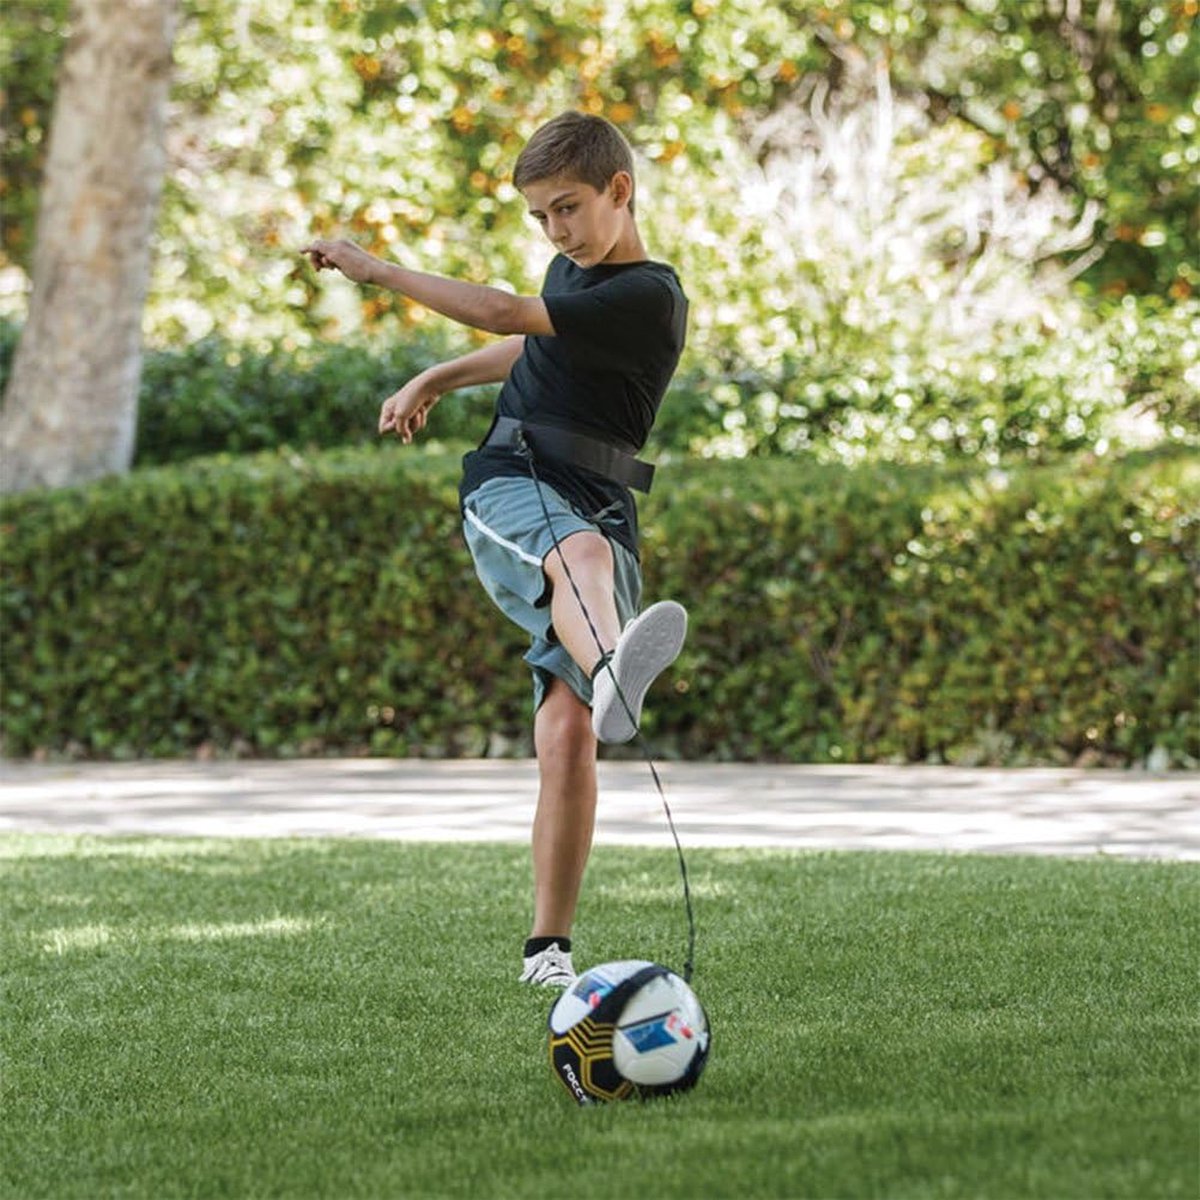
{"x":71,"y":400}
{"x":909,"y":229}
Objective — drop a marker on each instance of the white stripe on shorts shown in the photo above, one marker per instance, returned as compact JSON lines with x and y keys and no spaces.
{"x":502,"y":541}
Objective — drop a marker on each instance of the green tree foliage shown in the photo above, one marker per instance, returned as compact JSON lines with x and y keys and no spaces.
{"x":1099,"y":98}
{"x":32,"y":35}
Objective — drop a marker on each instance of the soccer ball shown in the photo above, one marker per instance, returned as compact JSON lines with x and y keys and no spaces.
{"x":623,"y":1029}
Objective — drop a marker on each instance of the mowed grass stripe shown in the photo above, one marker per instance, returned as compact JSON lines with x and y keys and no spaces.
{"x":195,"y":1017}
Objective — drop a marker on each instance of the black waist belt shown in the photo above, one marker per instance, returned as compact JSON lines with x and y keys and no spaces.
{"x":577,"y":449}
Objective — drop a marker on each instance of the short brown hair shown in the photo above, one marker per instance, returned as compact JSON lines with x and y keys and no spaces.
{"x":587,"y":148}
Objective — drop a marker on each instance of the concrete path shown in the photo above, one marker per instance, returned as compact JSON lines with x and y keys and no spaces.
{"x":1135,"y":814}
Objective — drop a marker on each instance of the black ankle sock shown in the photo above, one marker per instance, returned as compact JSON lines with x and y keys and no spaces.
{"x":605,"y":659}
{"x":537,"y":945}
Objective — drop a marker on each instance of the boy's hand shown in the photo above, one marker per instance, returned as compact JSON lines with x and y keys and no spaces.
{"x":353,"y":261}
{"x":406,"y":412}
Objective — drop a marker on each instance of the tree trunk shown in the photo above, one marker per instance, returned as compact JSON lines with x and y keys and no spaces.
{"x":70,"y":408}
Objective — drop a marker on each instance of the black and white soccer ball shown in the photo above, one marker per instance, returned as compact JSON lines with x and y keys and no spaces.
{"x":624,"y":1029}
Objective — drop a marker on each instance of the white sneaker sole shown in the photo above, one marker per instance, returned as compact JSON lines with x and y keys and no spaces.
{"x":650,"y":643}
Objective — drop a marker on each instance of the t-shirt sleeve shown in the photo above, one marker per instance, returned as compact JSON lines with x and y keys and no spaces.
{"x":613,"y":325}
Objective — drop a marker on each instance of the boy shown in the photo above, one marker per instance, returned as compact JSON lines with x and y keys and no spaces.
{"x":584,"y":367}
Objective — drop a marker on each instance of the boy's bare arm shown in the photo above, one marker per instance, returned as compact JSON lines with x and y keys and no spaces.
{"x":490,"y":364}
{"x":472,"y":304}
{"x":406,"y":411}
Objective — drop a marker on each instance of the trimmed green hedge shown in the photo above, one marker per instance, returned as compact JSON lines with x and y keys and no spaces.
{"x":320,"y":603}
{"x":212,"y":397}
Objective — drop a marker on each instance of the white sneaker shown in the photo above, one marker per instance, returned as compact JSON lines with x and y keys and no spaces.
{"x":650,"y":644}
{"x":549,"y":968}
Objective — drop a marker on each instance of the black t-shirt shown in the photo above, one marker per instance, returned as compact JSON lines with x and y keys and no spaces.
{"x":620,"y":331}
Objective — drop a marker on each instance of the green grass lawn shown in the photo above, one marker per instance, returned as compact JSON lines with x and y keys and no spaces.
{"x":340,"y":1018}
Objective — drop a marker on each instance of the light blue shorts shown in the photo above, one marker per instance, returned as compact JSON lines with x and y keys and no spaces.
{"x":505,"y":527}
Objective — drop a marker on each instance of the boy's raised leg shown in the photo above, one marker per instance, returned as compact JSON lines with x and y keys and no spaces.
{"x":590,"y":560}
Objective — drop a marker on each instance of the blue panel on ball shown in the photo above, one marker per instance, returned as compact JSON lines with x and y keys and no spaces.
{"x":593,"y":987}
{"x":649,"y":1035}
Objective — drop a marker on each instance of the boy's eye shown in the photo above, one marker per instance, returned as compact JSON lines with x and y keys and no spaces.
{"x":563,"y":210}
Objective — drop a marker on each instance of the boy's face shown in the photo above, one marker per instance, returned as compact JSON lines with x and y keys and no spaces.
{"x":588,"y":226}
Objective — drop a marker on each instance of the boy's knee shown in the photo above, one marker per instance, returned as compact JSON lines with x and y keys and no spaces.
{"x":585,"y":553}
{"x":564,"y":723}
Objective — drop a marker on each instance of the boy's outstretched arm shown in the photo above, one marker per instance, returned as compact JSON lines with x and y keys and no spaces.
{"x":472,"y":304}
{"x":406,"y":411}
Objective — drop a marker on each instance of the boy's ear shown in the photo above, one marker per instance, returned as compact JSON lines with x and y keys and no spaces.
{"x":620,"y":187}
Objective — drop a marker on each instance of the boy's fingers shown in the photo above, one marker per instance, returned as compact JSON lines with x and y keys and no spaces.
{"x":320,"y":259}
